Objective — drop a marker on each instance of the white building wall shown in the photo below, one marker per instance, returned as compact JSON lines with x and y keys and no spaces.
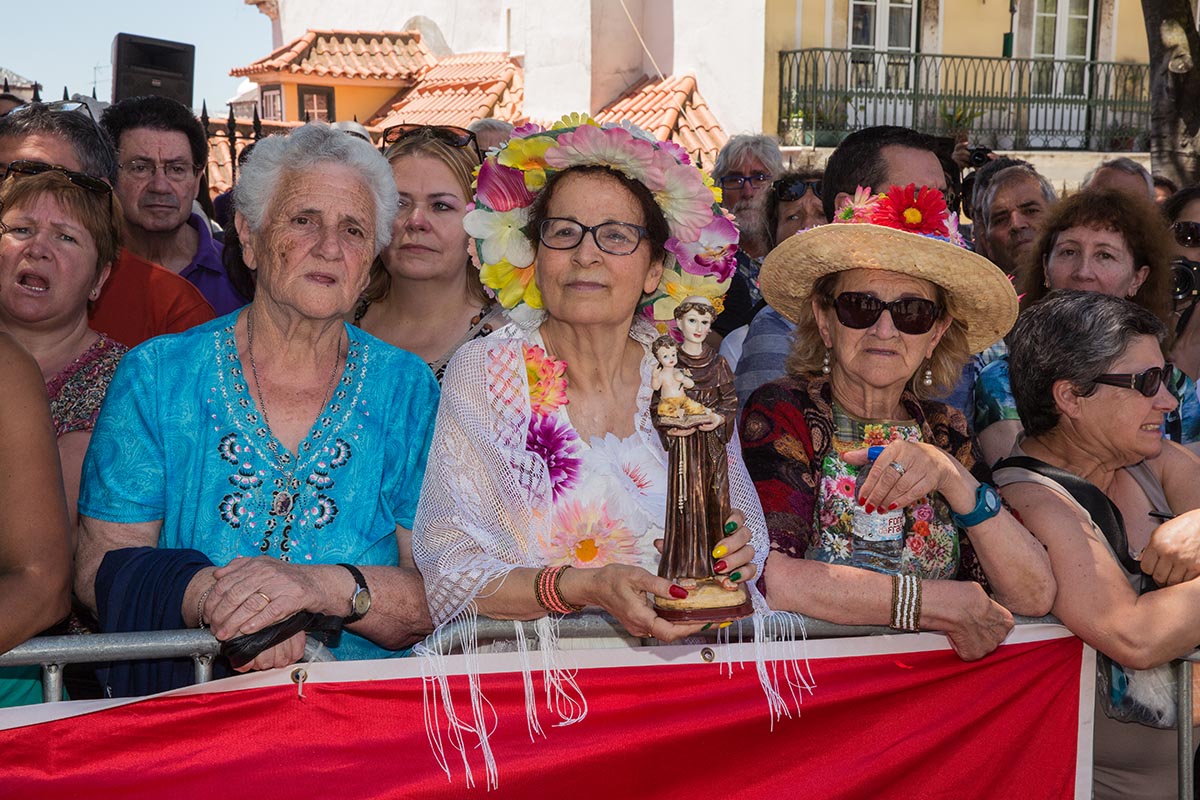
{"x":467,"y":25}
{"x":558,"y":58}
{"x":723,"y":42}
{"x":617,"y":54}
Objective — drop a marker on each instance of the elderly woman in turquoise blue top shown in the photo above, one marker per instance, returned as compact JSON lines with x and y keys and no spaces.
{"x":268,"y":463}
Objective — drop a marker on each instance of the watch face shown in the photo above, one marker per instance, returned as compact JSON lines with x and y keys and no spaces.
{"x":362,"y":602}
{"x":991,"y":499}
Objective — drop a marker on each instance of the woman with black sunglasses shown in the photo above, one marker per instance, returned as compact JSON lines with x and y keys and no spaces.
{"x":1182,"y":210}
{"x":873,"y":512}
{"x":1091,"y":387}
{"x":425,"y":295}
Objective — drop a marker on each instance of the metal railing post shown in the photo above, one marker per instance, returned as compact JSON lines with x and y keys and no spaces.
{"x":52,"y":683}
{"x":1184,"y":722}
{"x":204,"y":668}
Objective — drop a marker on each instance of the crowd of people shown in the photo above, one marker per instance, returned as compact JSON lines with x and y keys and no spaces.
{"x":414,"y":380}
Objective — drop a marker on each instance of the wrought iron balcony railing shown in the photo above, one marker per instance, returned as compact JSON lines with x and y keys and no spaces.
{"x":1003,"y":103}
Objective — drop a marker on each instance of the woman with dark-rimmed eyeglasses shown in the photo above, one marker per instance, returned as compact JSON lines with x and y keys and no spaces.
{"x":425,"y":295}
{"x":1091,"y":387}
{"x":888,"y":306}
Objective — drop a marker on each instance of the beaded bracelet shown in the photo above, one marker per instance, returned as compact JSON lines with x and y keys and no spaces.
{"x":200,"y":607}
{"x":906,"y":603}
{"x":549,"y":595}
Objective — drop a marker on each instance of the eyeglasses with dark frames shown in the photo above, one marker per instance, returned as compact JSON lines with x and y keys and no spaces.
{"x":1187,"y":233}
{"x":76,"y":178}
{"x":450,"y":134}
{"x":738,"y":182}
{"x":614,"y":238}
{"x":143,"y":169}
{"x":911,"y":315}
{"x":1147,"y":382}
{"x":788,"y":190}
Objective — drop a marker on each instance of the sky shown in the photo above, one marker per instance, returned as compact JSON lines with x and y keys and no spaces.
{"x":69,"y":42}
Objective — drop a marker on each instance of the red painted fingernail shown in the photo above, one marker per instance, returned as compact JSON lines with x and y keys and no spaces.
{"x":719,"y":566}
{"x":870,"y":508}
{"x":862,"y":502}
{"x":892,"y":507}
{"x":678,"y":592}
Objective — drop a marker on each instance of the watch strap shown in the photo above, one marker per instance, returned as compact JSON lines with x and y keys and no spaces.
{"x":361,"y":582}
{"x":983,"y":509}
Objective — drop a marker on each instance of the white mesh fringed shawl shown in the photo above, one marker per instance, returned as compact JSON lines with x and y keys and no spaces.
{"x":488,"y":506}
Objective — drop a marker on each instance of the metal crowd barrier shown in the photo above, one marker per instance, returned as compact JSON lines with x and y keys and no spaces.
{"x":52,"y":653}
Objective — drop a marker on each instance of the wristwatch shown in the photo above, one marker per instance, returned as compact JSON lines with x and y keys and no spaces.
{"x":360,"y":602}
{"x":987,"y":505}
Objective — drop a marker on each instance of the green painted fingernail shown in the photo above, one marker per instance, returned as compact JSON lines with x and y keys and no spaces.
{"x":730,"y":526}
{"x":735,"y":577}
{"x":707,"y":625}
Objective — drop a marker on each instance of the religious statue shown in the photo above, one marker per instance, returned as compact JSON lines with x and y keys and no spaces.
{"x":694,"y":415}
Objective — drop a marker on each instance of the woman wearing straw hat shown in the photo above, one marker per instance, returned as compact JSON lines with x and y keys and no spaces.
{"x":873,"y":513}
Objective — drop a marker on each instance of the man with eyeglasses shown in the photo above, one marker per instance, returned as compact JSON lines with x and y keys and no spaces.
{"x":161,"y":155}
{"x":140,"y":299}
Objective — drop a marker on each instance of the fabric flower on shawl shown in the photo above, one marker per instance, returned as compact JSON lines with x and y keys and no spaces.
{"x":616,"y":148}
{"x":501,"y":235}
{"x":859,"y":208}
{"x":512,"y":285}
{"x":685,"y":201}
{"x":528,"y":156}
{"x":634,"y":469}
{"x":547,"y":382}
{"x":556,"y":444}
{"x":912,"y":209}
{"x":677,"y":285}
{"x":712,"y":254}
{"x":501,"y":188}
{"x":585,"y":534}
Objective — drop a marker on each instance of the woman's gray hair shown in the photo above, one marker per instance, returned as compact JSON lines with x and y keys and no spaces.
{"x":1073,"y":336}
{"x":735,"y":151}
{"x":303,"y":149}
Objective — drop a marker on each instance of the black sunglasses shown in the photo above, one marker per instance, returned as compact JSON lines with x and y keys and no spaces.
{"x":77,"y":178}
{"x":1187,"y":233}
{"x":788,"y":190}
{"x":64,"y":106}
{"x":450,"y":134}
{"x":911,"y":315}
{"x":1148,"y":382}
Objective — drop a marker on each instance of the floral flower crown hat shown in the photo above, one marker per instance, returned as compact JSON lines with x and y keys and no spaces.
{"x":703,"y":239}
{"x":908,"y":230}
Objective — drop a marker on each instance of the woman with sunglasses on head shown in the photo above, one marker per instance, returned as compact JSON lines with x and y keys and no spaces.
{"x":425,"y":295}
{"x":874,"y":514}
{"x":59,"y":236}
{"x":1098,"y":241}
{"x":1182,"y":210}
{"x":1091,"y":389}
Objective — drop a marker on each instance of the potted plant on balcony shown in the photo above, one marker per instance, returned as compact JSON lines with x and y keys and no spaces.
{"x":826,"y":120}
{"x":1124,"y":138}
{"x":956,"y":120}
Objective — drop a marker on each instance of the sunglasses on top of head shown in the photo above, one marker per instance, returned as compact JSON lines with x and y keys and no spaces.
{"x":79,"y":179}
{"x":63,"y":106}
{"x":788,"y":190}
{"x":1147,"y":382}
{"x":911,"y":315}
{"x":450,"y":134}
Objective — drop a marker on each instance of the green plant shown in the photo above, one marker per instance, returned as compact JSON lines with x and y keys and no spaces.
{"x":958,"y":118}
{"x":827,"y":112}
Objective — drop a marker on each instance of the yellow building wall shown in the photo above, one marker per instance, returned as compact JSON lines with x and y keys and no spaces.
{"x":780,"y":34}
{"x":349,"y":100}
{"x":974,"y":28}
{"x":1131,"y":34}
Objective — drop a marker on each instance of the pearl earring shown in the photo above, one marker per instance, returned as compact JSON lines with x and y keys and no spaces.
{"x":927,"y":380}
{"x":825,"y":363}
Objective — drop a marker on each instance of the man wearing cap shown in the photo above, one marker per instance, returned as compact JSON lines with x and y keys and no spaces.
{"x":161,"y":155}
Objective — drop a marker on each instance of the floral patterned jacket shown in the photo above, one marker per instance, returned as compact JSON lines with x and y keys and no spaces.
{"x":787,"y":431}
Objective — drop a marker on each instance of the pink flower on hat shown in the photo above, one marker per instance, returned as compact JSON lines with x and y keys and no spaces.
{"x":712,"y":254}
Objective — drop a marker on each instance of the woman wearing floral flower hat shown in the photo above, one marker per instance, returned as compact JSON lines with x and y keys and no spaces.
{"x":547,"y":482}
{"x":888,"y":307}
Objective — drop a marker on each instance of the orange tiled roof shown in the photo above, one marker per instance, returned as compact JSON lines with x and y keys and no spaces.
{"x":673,"y":108}
{"x":458,"y":90}
{"x":396,"y":56}
{"x":219,"y":170}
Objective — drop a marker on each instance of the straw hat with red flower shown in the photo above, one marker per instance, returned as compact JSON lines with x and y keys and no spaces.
{"x":907,"y":230}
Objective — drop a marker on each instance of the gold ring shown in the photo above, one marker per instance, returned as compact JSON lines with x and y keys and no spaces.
{"x":263,"y":596}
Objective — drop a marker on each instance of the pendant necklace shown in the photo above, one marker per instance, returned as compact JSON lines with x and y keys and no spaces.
{"x":282,"y":502}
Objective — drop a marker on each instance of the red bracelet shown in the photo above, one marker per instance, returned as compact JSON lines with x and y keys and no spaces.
{"x":549,"y":595}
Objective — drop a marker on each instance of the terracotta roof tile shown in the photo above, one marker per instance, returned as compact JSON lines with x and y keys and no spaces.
{"x":458,"y":90}
{"x":671,"y":107}
{"x":219,"y":170}
{"x":385,"y":56}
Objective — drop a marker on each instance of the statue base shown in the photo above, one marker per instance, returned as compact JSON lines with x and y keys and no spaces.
{"x":707,"y":601}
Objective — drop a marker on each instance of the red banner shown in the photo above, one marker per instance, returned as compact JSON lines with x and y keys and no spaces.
{"x":891,"y":716}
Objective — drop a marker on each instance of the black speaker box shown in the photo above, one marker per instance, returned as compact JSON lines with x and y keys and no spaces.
{"x":144,"y":66}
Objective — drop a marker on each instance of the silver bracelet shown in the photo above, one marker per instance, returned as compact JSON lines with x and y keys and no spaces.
{"x":200,"y":606}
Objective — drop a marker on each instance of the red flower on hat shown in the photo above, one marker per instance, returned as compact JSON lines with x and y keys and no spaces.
{"x":916,"y":210}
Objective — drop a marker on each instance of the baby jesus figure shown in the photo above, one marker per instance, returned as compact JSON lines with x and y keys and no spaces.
{"x":675,"y":408}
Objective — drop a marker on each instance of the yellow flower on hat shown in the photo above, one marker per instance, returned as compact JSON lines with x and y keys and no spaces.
{"x":529,"y":156}
{"x":677,"y":285}
{"x":513,"y":285}
{"x":574,"y":120}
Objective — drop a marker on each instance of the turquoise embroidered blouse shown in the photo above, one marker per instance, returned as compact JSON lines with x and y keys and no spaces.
{"x":180,"y":439}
